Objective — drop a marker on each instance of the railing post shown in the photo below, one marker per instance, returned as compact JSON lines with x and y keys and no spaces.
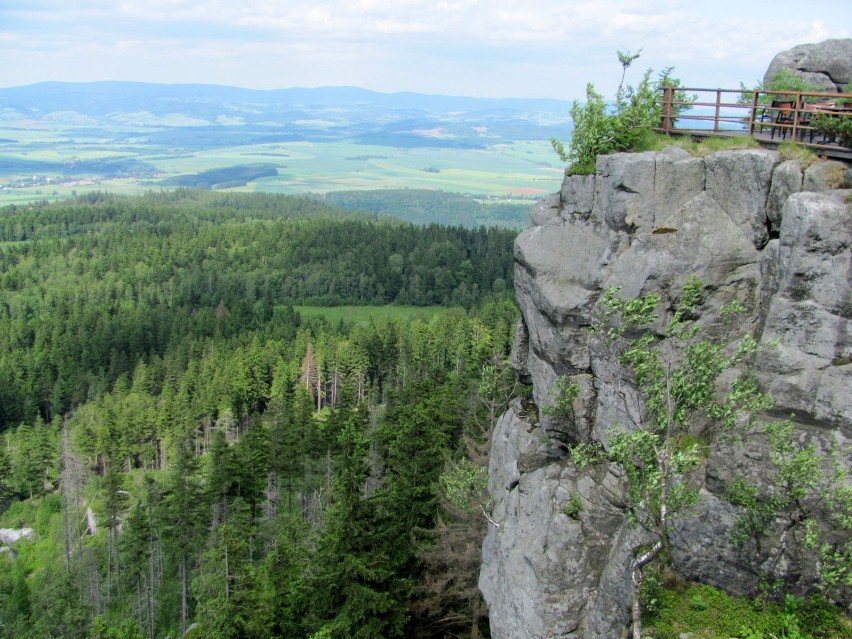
{"x":796,"y":106}
{"x":668,"y":109}
{"x":754,"y":101}
{"x":718,"y":110}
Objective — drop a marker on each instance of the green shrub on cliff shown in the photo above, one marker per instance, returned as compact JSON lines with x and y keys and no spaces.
{"x":687,"y":375}
{"x":600,"y":128}
{"x":676,"y":368}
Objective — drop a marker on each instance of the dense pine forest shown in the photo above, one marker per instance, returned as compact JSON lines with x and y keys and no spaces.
{"x":423,"y":206}
{"x":196,"y":459}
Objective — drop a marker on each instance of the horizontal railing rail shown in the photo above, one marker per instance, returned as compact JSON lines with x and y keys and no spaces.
{"x":731,"y":112}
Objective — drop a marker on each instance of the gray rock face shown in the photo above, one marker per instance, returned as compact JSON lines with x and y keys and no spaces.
{"x":786,"y":180}
{"x":739,"y":182}
{"x":545,"y":210}
{"x":577,"y":194}
{"x":824,"y":176}
{"x":810,"y":373}
{"x":825,"y":64}
{"x":636,"y":191}
{"x":531,"y":589}
{"x":644,"y":222}
{"x":556,"y":272}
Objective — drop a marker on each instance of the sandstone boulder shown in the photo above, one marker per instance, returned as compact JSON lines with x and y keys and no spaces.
{"x":826,"y":64}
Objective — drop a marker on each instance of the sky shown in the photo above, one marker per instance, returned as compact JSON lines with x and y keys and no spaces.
{"x":482,"y":48}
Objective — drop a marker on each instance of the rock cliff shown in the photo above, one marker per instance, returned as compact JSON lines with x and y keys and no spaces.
{"x":755,"y":229}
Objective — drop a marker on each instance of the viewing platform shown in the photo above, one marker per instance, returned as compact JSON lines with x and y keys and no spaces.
{"x":820,"y":121}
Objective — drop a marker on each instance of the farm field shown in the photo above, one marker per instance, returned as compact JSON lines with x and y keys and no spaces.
{"x":507,"y":171}
{"x":59,"y":141}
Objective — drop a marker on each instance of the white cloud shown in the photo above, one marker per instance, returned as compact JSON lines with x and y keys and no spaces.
{"x":488,"y":47}
{"x":398,"y":26}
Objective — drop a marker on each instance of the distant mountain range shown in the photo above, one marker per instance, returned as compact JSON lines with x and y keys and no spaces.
{"x":296,"y":113}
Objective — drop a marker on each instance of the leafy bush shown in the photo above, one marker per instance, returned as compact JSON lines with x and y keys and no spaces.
{"x":784,"y":80}
{"x":563,"y":394}
{"x":600,"y":128}
{"x":573,"y":507}
{"x":802,"y":475}
{"x":832,"y":126}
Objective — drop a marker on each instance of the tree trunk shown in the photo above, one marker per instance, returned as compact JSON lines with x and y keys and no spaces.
{"x":638,"y":578}
{"x":117,"y":562}
{"x":637,"y":608}
{"x":184,"y":611}
{"x":475,"y":613}
{"x":109,"y":567}
{"x":227,"y":576}
{"x":140,"y":604}
{"x":149,"y":595}
{"x":319,"y":390}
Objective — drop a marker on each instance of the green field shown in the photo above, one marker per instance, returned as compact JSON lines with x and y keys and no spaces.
{"x":509,"y":171}
{"x":128,"y":138}
{"x":362,"y":314}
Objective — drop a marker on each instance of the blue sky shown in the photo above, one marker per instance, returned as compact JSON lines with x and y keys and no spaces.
{"x":493,"y":48}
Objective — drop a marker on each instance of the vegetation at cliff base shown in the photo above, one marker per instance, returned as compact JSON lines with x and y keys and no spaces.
{"x":685,"y":374}
{"x":679,"y":609}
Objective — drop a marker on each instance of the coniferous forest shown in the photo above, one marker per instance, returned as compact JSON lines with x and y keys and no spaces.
{"x":196,"y":459}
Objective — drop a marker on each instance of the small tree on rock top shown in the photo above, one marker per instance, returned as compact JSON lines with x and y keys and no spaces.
{"x":601,"y":128}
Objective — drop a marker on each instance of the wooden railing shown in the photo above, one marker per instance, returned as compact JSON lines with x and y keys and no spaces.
{"x":783,"y":115}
